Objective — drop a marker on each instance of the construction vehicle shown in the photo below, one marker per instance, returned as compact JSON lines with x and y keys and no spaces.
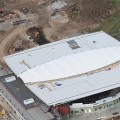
{"x":19,"y":22}
{"x":2,"y":113}
{"x":30,"y":38}
{"x":25,"y":10}
{"x":37,"y":35}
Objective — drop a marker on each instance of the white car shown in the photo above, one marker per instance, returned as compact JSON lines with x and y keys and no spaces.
{"x":30,"y":38}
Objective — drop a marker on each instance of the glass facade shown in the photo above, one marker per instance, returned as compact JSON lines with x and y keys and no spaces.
{"x":95,"y":108}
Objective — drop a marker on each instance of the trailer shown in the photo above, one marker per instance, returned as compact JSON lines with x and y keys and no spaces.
{"x":19,"y":22}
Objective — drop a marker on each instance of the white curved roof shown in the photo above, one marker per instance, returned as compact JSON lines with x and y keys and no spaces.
{"x":45,"y":53}
{"x":72,"y":65}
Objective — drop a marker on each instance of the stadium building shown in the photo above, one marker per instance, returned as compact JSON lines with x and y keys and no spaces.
{"x":63,"y":75}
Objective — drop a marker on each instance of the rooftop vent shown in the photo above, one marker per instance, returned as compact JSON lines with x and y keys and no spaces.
{"x":73,"y":44}
{"x":10,"y":79}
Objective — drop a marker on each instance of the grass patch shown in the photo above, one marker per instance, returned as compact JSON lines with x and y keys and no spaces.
{"x":112,"y":24}
{"x":116,"y":3}
{"x":117,"y":36}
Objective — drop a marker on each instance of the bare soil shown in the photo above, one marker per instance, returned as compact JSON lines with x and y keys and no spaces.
{"x":89,"y":12}
{"x":82,"y":16}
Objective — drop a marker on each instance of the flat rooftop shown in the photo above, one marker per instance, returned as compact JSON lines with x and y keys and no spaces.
{"x":96,"y":54}
{"x":19,"y":92}
{"x":18,"y":89}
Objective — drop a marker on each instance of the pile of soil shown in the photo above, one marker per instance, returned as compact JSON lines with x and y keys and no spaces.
{"x":89,"y":10}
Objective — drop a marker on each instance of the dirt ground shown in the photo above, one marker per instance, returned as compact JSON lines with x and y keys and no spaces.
{"x":58,"y":19}
{"x":89,"y":11}
{"x":8,"y":37}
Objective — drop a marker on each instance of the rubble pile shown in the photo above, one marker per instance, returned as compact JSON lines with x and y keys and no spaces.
{"x":89,"y":10}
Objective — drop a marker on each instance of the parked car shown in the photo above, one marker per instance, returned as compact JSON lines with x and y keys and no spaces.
{"x":30,"y":38}
{"x":115,"y":113}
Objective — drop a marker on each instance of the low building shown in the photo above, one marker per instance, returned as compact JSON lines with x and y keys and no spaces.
{"x":106,"y":103}
{"x":79,"y":108}
{"x":23,"y":103}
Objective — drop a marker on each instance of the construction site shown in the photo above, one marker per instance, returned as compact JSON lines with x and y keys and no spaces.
{"x":30,"y":24}
{"x":46,"y":21}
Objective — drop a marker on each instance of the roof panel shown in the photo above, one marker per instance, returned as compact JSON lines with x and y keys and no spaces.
{"x":42,"y":54}
{"x":72,"y":65}
{"x":78,"y":87}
